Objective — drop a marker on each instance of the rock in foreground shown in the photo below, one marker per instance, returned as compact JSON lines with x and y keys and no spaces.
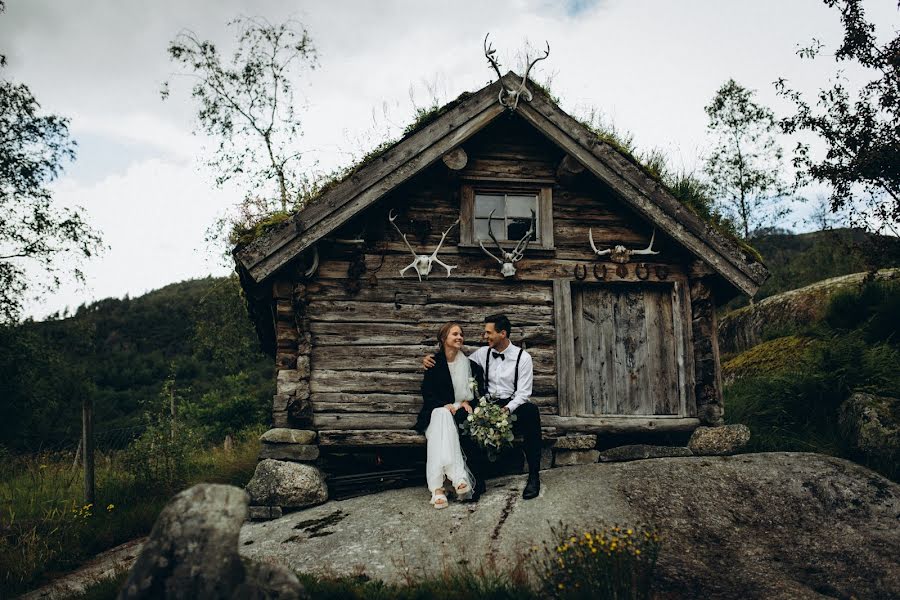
{"x":192,"y":553}
{"x":776,"y":525}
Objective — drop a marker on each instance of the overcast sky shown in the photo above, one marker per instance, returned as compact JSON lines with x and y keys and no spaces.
{"x":649,"y":65}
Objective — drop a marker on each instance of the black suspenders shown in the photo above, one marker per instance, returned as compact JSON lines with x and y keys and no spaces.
{"x":487,"y":366}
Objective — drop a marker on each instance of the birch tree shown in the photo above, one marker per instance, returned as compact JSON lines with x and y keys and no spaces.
{"x":247,"y":105}
{"x":745,"y":164}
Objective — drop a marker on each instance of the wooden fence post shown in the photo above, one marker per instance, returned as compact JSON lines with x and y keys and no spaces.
{"x":87,"y":445}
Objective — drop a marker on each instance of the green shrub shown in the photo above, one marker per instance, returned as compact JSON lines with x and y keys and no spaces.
{"x":159,"y":458}
{"x":612,"y":562}
{"x":873,"y":308}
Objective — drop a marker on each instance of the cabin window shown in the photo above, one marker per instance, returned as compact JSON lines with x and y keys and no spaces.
{"x":512,"y":208}
{"x":507,"y":216}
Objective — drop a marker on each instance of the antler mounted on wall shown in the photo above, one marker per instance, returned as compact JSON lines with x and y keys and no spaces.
{"x":507,"y":265}
{"x":509,"y":97}
{"x":619,"y":253}
{"x":422,"y":263}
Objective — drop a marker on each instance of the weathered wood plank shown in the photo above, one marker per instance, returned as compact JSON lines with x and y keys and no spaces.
{"x":565,"y":349}
{"x":434,"y":291}
{"x":402,"y":437}
{"x":403,"y":357}
{"x":663,"y":390}
{"x":322,"y":380}
{"x":370,"y":421}
{"x":389,"y":437}
{"x":684,"y":349}
{"x":364,"y":421}
{"x":380,"y":333}
{"x":354,"y":311}
{"x":620,"y":424}
{"x":599,"y":315}
{"x":509,"y":168}
{"x":580,"y":335}
{"x":389,"y":403}
{"x":641,"y":401}
{"x":480,"y":267}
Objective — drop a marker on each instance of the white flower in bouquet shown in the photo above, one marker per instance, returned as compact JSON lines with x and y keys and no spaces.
{"x":490,"y":426}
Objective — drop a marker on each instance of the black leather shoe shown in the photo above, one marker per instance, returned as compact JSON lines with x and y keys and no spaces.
{"x":480,"y":488}
{"x":533,"y":487}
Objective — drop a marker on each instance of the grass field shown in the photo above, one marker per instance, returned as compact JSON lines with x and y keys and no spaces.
{"x":46,"y":529}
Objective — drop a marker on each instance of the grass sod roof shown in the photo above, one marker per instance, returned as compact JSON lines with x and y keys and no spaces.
{"x":245,"y":236}
{"x":706,"y":229}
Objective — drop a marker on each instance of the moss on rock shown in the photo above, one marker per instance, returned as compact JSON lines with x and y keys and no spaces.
{"x":775,"y":356}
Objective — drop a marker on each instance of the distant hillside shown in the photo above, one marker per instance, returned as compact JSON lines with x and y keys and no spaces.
{"x":122,"y":351}
{"x":797,"y":260}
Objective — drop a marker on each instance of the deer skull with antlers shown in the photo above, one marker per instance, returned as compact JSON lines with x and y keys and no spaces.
{"x":619,"y":253}
{"x":507,"y":264}
{"x":422,"y":263}
{"x":510,"y":97}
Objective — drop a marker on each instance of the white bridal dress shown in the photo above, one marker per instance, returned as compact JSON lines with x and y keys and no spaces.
{"x":445,"y":457}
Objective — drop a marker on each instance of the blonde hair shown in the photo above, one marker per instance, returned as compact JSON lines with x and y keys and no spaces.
{"x":444,"y":331}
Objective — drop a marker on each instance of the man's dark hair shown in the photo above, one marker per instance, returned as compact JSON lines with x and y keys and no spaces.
{"x":501,"y":323}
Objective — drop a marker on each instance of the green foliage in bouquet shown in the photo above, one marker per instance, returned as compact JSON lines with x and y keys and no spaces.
{"x":490,"y":426}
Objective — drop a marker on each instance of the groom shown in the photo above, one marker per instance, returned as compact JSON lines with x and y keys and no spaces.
{"x":508,"y":373}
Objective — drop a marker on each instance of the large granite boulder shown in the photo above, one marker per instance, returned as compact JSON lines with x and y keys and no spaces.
{"x":872,"y":424}
{"x":287,"y":484}
{"x":192,"y":553}
{"x":743,"y":328}
{"x":719,"y":441}
{"x":774,"y":525}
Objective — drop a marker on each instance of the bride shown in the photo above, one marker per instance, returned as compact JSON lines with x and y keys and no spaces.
{"x":447,"y":398}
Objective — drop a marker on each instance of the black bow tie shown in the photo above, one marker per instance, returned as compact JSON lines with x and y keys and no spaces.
{"x":500,"y":356}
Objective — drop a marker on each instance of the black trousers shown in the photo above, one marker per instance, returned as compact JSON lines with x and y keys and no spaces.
{"x":527,"y":424}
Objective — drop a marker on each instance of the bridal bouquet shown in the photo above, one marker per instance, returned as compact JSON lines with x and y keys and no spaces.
{"x":490,"y":426}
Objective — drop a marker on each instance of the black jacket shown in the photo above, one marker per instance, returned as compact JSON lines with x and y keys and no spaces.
{"x":437,"y":389}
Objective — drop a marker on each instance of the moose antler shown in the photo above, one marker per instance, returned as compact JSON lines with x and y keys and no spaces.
{"x":649,"y":249}
{"x":620,"y":253}
{"x":506,"y":93}
{"x":522,"y":88}
{"x":507,"y":267}
{"x":489,"y":53}
{"x":422,"y":263}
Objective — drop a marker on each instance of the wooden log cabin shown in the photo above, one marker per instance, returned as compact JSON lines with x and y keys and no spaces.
{"x":623,"y":342}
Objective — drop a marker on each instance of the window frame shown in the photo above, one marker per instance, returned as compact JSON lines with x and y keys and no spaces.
{"x":544,"y":195}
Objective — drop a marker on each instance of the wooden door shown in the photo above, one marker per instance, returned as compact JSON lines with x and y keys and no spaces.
{"x":629,"y":345}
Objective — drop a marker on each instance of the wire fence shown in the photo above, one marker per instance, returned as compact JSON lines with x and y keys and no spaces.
{"x":105,"y":441}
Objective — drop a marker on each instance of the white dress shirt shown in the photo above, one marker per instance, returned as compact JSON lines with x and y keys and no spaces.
{"x":500,"y":380}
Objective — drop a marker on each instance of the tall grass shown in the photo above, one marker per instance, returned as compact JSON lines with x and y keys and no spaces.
{"x":46,"y":529}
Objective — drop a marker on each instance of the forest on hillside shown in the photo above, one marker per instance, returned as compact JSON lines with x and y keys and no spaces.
{"x":192,"y":337}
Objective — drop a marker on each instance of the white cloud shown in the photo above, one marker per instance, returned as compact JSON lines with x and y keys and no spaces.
{"x":142,"y":128}
{"x":153,"y":217}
